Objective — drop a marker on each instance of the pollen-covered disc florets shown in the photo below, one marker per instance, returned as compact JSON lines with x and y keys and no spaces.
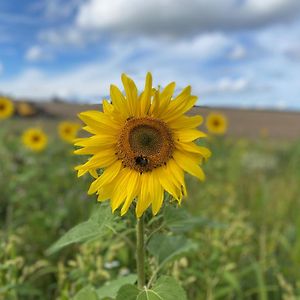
{"x":145,"y":144}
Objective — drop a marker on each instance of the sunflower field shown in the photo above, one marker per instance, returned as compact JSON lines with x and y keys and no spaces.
{"x":235,"y":235}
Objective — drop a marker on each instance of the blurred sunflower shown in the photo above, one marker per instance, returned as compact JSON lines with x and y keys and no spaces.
{"x":216,"y":123}
{"x":35,"y":139}
{"x":25,"y":109}
{"x":6,"y":108}
{"x":144,"y":143}
{"x":68,"y":131}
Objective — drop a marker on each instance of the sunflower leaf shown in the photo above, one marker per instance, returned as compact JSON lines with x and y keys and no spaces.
{"x":165,"y":288}
{"x":110,"y":289}
{"x":86,"y":293}
{"x":98,"y":225}
{"x":179,"y":220}
{"x":166,"y":248}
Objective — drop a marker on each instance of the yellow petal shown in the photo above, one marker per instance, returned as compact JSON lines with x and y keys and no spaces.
{"x":191,"y":147}
{"x":107,"y":107}
{"x":99,"y":121}
{"x":120,"y":191}
{"x":144,"y":200}
{"x":158,"y":195}
{"x":181,"y":104}
{"x":100,"y":160}
{"x":185,"y":122}
{"x":178,"y":175}
{"x":105,"y":192}
{"x":97,"y":140}
{"x":188,"y":135}
{"x":89,"y":150}
{"x":131,"y":95}
{"x":167,"y":181}
{"x":94,"y":173}
{"x":164,"y":99}
{"x":119,"y":101}
{"x":188,"y":164}
{"x":146,"y":96}
{"x":108,"y":175}
{"x":133,"y":187}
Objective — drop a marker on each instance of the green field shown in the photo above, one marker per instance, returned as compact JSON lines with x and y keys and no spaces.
{"x":241,"y":242}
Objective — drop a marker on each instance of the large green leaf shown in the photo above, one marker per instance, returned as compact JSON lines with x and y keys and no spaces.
{"x":96,"y":226}
{"x":87,"y":293}
{"x":179,"y":220}
{"x":166,"y":247}
{"x":166,"y":288}
{"x":128,"y":292}
{"x":111,"y":288}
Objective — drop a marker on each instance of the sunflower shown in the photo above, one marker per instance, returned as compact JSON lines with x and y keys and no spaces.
{"x":68,"y":131}
{"x":35,"y":139}
{"x":6,"y":108}
{"x":25,"y":109}
{"x":144,"y":143}
{"x":216,"y":123}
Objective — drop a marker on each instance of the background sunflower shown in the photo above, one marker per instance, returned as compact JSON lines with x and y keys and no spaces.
{"x":6,"y":108}
{"x":35,"y":139}
{"x":68,"y":130}
{"x":216,"y":123}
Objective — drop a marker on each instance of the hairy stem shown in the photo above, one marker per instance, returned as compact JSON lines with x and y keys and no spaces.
{"x":140,"y":252}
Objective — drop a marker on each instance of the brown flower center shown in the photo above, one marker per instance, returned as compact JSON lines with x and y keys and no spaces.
{"x":2,"y":107}
{"x":36,"y":138}
{"x":67,"y":130}
{"x":216,"y":123}
{"x":144,"y":144}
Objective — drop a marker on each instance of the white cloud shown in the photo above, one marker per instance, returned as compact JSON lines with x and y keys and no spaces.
{"x":224,"y":85}
{"x":67,"y":36}
{"x":91,"y":81}
{"x":161,"y":18}
{"x":179,"y":17}
{"x":238,"y":52}
{"x":36,"y":53}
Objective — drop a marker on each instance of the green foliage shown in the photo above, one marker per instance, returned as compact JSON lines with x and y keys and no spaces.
{"x":111,"y":288}
{"x":96,"y":227}
{"x":237,"y":236}
{"x":166,"y":248}
{"x":87,"y":293}
{"x":165,"y":288}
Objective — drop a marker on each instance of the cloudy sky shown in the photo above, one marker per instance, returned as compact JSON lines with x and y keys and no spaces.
{"x":242,"y":53}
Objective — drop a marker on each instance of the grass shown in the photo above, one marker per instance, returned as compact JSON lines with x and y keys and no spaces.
{"x":248,"y":242}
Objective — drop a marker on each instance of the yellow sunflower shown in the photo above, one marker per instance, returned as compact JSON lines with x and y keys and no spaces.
{"x":25,"y":109}
{"x":6,"y":108}
{"x":144,"y":143}
{"x":68,"y":131}
{"x":216,"y":123}
{"x":35,"y":139}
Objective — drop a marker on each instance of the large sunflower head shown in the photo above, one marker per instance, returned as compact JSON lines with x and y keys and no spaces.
{"x":144,"y":143}
{"x":216,"y":123}
{"x":6,"y":108}
{"x":68,"y":131}
{"x":35,"y":139}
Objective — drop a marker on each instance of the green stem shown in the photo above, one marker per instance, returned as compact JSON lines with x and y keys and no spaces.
{"x":140,"y":252}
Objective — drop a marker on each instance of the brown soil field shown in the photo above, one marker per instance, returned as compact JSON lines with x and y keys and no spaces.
{"x":242,"y":122}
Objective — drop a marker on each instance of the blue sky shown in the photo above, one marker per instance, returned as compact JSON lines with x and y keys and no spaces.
{"x":243,"y":53}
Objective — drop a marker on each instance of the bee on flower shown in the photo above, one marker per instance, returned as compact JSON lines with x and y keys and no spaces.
{"x":216,"y":123}
{"x":68,"y":131}
{"x":144,"y":143}
{"x":6,"y":108}
{"x":35,"y":139}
